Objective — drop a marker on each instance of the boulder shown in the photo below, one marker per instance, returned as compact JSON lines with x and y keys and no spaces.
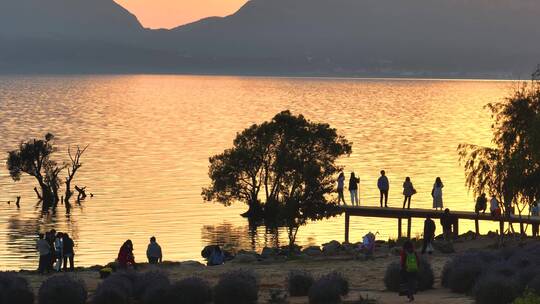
{"x":269,"y":252}
{"x":245,"y":258}
{"x":312,"y":251}
{"x":332,"y":248}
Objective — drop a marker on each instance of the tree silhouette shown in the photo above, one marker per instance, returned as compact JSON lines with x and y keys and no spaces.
{"x":34,"y":158}
{"x":510,"y":169}
{"x":283,"y":170}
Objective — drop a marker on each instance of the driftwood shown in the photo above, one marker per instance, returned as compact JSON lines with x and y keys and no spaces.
{"x":18,"y":202}
{"x":82,"y":193}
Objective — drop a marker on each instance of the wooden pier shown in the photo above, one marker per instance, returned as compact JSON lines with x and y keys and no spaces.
{"x":409,"y":214}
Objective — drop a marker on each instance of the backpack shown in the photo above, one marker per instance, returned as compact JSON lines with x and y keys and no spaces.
{"x":411,"y":263}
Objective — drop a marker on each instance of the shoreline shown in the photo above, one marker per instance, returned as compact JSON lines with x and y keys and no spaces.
{"x":365,"y":275}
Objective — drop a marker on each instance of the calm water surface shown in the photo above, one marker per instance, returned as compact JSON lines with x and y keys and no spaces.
{"x":150,"y":138}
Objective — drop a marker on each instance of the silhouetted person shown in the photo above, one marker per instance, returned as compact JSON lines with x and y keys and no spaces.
{"x":384,"y":185}
{"x":429,"y":235}
{"x":436,"y":193}
{"x":447,"y":222}
{"x":126,"y":259}
{"x":353,"y":189}
{"x":340,"y":187}
{"x":68,"y":252}
{"x":217,"y":257}
{"x":494,"y":206}
{"x":409,"y":269}
{"x":44,"y":250}
{"x":408,"y":192}
{"x":153,"y":252}
{"x":59,"y":250}
{"x":51,"y":237}
{"x":481,"y":204}
{"x":535,"y":212}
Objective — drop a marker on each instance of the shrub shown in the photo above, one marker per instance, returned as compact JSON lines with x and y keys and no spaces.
{"x":109,"y":294}
{"x":528,"y":298}
{"x":62,"y":289}
{"x":495,"y":289}
{"x":462,"y":276}
{"x":156,"y":295}
{"x":15,"y":289}
{"x":238,"y":286}
{"x":189,"y":291}
{"x":299,"y":282}
{"x":325,"y":291}
{"x":425,"y":275}
{"x":340,"y":280}
{"x":392,"y":276}
{"x":534,"y":284}
{"x":148,"y":280}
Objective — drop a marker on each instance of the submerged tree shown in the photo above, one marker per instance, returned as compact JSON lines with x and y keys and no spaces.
{"x":510,"y":169}
{"x":34,"y":158}
{"x":283,"y":170}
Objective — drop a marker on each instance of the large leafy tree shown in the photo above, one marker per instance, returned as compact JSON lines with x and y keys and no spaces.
{"x":511,"y":168}
{"x":283,"y":169}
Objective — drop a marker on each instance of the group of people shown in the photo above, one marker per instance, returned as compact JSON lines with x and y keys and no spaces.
{"x":126,"y":258}
{"x":55,"y":249}
{"x":383,"y":184}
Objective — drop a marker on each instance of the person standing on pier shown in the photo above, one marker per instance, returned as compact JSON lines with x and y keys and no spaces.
{"x":494,"y":206}
{"x":481,"y":204}
{"x":353,"y":189}
{"x":340,"y":187}
{"x":436,"y":193}
{"x":408,"y":192}
{"x":384,"y":185}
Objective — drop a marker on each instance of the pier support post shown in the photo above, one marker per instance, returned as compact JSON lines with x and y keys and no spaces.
{"x":409,"y":224}
{"x":501,"y":228}
{"x":347,"y":219}
{"x":399,"y":234}
{"x":477,"y":226}
{"x":456,"y":227}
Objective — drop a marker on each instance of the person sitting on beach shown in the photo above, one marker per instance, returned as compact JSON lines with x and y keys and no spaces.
{"x":408,"y":192}
{"x":44,"y":250}
{"x":153,"y":252}
{"x":481,"y":204}
{"x":217,"y":257}
{"x":436,"y":193}
{"x":126,"y":259}
{"x":340,"y":187}
{"x":494,"y":206}
{"x":409,"y":269}
{"x":68,"y":251}
{"x":429,"y":234}
{"x":384,"y":185}
{"x":447,"y":221}
{"x":353,"y":189}
{"x":59,"y":251}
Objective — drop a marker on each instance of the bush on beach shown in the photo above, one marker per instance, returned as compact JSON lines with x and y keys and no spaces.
{"x":189,"y":291}
{"x":148,"y":280}
{"x":493,"y":288}
{"x":328,"y":289}
{"x":237,"y":286}
{"x":299,"y":282}
{"x":62,"y":289}
{"x":14,"y":289}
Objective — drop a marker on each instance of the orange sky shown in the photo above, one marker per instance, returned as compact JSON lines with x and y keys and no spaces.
{"x":171,"y":13}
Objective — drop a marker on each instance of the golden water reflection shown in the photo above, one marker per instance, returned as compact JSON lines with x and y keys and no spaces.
{"x":150,"y":138}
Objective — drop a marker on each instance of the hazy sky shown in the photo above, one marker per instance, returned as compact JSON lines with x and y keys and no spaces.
{"x":171,"y":13}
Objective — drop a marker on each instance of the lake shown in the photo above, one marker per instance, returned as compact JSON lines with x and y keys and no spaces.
{"x":150,"y":138}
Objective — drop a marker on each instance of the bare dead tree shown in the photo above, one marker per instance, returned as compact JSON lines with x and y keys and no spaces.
{"x":82,"y":193}
{"x":72,"y":170}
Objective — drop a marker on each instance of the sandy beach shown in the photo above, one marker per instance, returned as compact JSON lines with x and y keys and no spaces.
{"x":365,"y":276}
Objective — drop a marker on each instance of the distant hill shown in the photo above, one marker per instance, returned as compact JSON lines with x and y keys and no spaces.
{"x":456,"y":38}
{"x":67,"y":19}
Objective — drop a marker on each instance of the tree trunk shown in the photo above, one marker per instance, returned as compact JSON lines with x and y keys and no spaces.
{"x":47,"y":196}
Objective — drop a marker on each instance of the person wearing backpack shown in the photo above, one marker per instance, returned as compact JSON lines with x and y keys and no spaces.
{"x":409,"y":269}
